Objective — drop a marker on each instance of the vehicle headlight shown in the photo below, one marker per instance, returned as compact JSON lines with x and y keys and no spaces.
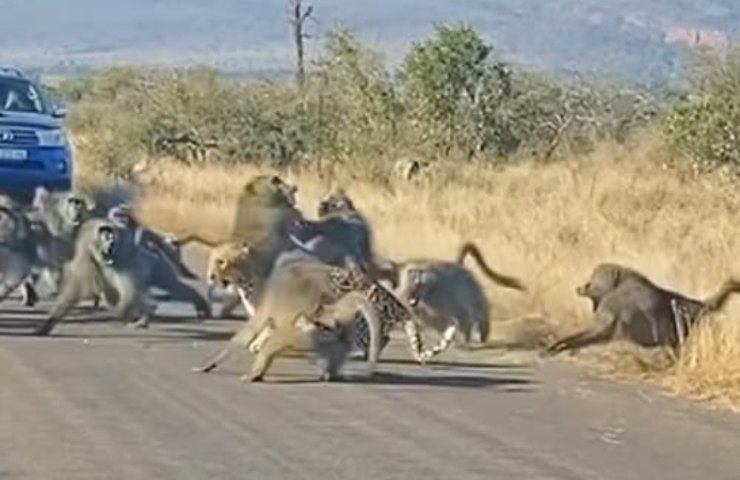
{"x":51,"y":138}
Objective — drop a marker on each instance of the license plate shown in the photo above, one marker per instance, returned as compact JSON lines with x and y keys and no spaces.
{"x":13,"y":154}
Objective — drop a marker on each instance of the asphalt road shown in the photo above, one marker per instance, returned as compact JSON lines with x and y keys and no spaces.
{"x":99,"y":401}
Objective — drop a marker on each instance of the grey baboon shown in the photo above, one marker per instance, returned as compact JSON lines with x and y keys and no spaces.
{"x":296,"y":289}
{"x":447,"y":297}
{"x":18,"y":255}
{"x":170,"y":251}
{"x":107,"y":261}
{"x":55,"y":218}
{"x":628,"y":305}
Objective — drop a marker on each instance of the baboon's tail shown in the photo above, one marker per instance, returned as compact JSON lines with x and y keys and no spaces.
{"x":718,"y":300}
{"x":195,"y":238}
{"x":469,"y":248}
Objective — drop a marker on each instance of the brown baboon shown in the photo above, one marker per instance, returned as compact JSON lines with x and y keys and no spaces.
{"x":295,"y":289}
{"x":447,"y":297}
{"x":628,"y":305}
{"x":409,"y":169}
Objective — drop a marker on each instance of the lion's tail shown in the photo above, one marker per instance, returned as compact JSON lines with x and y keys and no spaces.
{"x":469,"y":248}
{"x":195,"y":238}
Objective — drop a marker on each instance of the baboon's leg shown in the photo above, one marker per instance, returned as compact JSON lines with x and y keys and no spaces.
{"x":13,"y":277}
{"x":274,"y":345}
{"x":164,"y":278}
{"x":593,"y":336}
{"x":143,"y":313}
{"x":244,"y":337}
{"x":260,"y":340}
{"x":447,"y":336}
{"x":68,"y":298}
{"x":28,"y":291}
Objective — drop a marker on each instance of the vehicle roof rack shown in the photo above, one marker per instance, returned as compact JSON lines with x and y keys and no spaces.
{"x":11,"y":72}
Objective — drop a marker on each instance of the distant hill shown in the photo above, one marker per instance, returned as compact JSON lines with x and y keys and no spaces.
{"x":635,"y":39}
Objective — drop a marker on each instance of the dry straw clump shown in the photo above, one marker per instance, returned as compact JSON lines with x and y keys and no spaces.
{"x":547,"y":224}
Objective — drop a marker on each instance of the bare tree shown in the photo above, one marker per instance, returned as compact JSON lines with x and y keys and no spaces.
{"x":299,"y":14}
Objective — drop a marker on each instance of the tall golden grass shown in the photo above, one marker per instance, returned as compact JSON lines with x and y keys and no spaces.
{"x":547,"y":224}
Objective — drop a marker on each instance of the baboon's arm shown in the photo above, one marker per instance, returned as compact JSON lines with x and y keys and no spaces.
{"x":599,"y":334}
{"x":149,"y":237}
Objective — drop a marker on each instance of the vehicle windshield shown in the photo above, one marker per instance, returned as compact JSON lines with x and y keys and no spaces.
{"x":20,"y":95}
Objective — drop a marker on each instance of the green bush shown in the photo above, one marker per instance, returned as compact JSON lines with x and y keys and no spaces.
{"x":706,"y":126}
{"x":450,"y":98}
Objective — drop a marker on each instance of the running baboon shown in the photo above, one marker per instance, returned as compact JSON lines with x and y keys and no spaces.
{"x":107,"y":262}
{"x":295,"y":289}
{"x":447,"y":297}
{"x":628,"y":305}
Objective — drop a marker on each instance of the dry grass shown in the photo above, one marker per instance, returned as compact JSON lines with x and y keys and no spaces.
{"x":549,"y":225}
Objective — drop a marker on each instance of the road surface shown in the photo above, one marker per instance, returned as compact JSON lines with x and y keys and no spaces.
{"x":99,"y":401}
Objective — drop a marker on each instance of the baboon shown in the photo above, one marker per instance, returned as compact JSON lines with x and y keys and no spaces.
{"x":56,"y":218}
{"x":107,"y":261}
{"x":447,"y":297}
{"x":628,"y":305}
{"x":18,"y":254}
{"x":339,"y":223}
{"x":407,"y":170}
{"x":123,"y":216}
{"x":104,"y":261}
{"x":296,"y":289}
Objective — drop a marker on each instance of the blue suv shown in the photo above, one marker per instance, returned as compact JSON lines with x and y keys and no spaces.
{"x":34,"y":148}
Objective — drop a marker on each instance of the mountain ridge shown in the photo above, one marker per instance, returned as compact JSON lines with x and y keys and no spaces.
{"x":630,"y":39}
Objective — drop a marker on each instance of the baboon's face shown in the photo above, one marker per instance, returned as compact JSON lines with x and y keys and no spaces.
{"x":106,"y":243}
{"x":75,"y":209}
{"x":416,"y":286}
{"x":604,"y":279}
{"x":63,"y":212}
{"x":121,"y":216}
{"x":336,"y":202}
{"x":272,"y":190}
{"x":321,"y":332}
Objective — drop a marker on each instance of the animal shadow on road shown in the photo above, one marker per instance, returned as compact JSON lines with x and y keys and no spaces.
{"x":510,"y":383}
{"x":464,"y":381}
